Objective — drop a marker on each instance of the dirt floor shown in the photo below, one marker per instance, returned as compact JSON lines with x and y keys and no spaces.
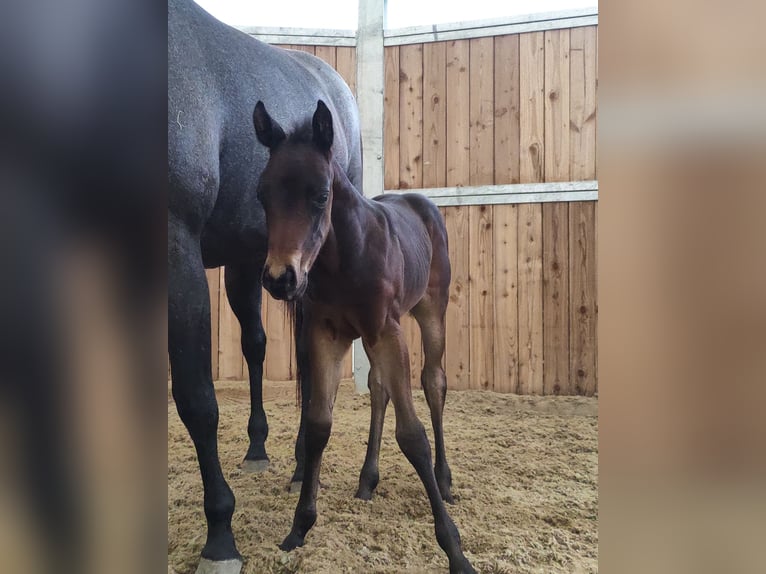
{"x":525,"y":477}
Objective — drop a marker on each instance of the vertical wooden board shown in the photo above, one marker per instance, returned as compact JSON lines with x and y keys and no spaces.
{"x":391,"y":119}
{"x":507,"y":109}
{"x":530,"y":299}
{"x":557,"y":127}
{"x":482,"y":111}
{"x":279,"y":342}
{"x":531,"y":107}
{"x":556,"y":380}
{"x":506,"y":319}
{"x":434,"y":114}
{"x":457,"y":358}
{"x":481,"y":296}
{"x":582,"y":105}
{"x":213,"y":284}
{"x":583,"y":309}
{"x":345,"y":63}
{"x":411,"y":116}
{"x":458,"y":113}
{"x":229,"y":337}
{"x":326,"y":53}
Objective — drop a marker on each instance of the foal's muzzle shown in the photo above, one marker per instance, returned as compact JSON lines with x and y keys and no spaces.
{"x":283,"y":286}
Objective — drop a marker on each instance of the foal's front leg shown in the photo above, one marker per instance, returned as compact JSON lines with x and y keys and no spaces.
{"x":326,"y":350}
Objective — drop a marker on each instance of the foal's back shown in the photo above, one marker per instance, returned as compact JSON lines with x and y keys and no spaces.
{"x":422,"y":235}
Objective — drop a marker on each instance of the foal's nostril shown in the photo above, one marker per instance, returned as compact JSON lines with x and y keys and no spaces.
{"x":290,"y":278}
{"x":282,"y":287}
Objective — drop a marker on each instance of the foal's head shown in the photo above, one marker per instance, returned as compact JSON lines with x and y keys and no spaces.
{"x":296,"y":192}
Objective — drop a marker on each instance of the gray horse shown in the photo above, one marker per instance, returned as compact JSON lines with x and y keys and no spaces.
{"x":216,"y":74}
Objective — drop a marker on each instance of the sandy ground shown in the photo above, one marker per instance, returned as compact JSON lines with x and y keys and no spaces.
{"x":525,"y":476}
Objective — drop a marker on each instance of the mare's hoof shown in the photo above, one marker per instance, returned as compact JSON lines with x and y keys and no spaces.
{"x":295,"y":487}
{"x":255,"y":465}
{"x":292,"y":542}
{"x":233,"y":566}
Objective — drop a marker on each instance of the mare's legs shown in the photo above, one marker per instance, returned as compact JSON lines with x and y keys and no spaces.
{"x":389,"y":355}
{"x":430,"y":315}
{"x":369,"y":476}
{"x":243,"y":289}
{"x":189,"y":349}
{"x":326,"y":349}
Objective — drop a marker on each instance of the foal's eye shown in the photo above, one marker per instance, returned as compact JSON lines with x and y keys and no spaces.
{"x":320,"y":201}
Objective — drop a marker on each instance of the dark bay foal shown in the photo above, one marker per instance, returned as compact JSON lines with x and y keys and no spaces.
{"x":358,"y":265}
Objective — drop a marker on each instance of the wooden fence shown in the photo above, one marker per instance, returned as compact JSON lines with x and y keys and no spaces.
{"x":486,"y":111}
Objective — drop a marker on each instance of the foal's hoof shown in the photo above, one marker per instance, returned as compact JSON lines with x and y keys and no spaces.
{"x":463,"y":568}
{"x":363,"y":494}
{"x":233,"y":566}
{"x":255,"y":465}
{"x":295,"y":487}
{"x":292,"y":542}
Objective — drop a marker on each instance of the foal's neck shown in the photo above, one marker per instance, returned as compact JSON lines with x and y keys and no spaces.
{"x":352,"y":215}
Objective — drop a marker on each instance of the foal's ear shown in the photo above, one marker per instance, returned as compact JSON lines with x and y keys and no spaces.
{"x":322,"y":126}
{"x":269,"y":132}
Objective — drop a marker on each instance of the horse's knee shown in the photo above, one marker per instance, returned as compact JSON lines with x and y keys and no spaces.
{"x":318,"y":428}
{"x":197,"y":409}
{"x":413,"y":441}
{"x":434,"y":383}
{"x":254,"y":344}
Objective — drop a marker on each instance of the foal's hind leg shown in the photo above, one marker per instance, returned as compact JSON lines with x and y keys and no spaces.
{"x":389,"y":354}
{"x":368,"y":478}
{"x":430,"y":315}
{"x":243,"y":289}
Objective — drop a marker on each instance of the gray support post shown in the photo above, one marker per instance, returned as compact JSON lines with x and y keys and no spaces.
{"x":369,"y":95}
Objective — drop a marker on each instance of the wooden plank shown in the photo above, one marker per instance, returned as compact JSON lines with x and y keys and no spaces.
{"x":391,"y":119}
{"x":482,"y":111}
{"x":582,"y":107}
{"x":458,"y":113}
{"x":506,"y":323}
{"x":507,"y":110}
{"x":457,"y":358}
{"x":583,"y":216}
{"x":302,"y":48}
{"x":481,"y":296}
{"x":556,"y":99}
{"x":556,"y":380}
{"x":530,"y":299}
{"x":434,"y":114}
{"x":411,"y":117}
{"x":229,"y":337}
{"x":531,"y":107}
{"x":531,"y":169}
{"x":345,"y":58}
{"x":213,"y":283}
{"x":583,"y":309}
{"x":279,"y":347}
{"x":492,"y":27}
{"x":326,"y":53}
